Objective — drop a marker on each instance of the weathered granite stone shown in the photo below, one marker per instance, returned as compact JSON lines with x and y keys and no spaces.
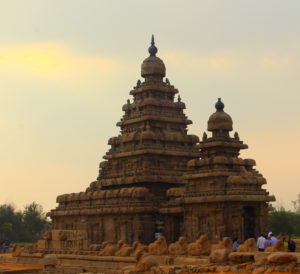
{"x":248,"y":246}
{"x":219,"y":256}
{"x":179,"y":247}
{"x":158,"y":247}
{"x":241,"y":257}
{"x":50,"y":261}
{"x":282,"y":257}
{"x":200,"y":247}
{"x":156,"y":177}
{"x":277,"y":247}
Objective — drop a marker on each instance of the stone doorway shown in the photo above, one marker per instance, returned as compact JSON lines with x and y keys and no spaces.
{"x":177,"y":227}
{"x":249,"y":222}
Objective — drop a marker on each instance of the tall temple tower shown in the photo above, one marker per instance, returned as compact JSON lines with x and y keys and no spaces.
{"x":158,"y":178}
{"x":223,"y":195}
{"x":144,"y":161}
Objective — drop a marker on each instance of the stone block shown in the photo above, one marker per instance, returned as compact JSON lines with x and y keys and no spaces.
{"x":241,"y":257}
{"x":41,"y":244}
{"x":261,"y":258}
{"x":219,"y":256}
{"x":55,"y":244}
{"x":282,"y":257}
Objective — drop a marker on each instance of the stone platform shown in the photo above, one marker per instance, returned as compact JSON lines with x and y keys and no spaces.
{"x":238,"y":262}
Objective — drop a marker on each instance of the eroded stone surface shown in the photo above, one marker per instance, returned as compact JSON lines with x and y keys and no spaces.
{"x":157,"y":178}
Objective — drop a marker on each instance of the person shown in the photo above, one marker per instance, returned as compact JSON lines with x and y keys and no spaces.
{"x":291,"y":245}
{"x":261,"y":243}
{"x":235,"y":244}
{"x":268,"y":241}
{"x":157,"y":234}
{"x":273,"y":239}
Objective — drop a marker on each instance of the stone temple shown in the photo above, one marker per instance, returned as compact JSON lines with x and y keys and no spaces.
{"x":157,"y":178}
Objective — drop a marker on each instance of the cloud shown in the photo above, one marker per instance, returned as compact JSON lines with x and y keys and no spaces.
{"x":275,"y":61}
{"x":51,"y":60}
{"x":234,"y":62}
{"x":218,"y":63}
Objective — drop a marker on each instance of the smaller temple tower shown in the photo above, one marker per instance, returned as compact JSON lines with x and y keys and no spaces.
{"x":223,"y":194}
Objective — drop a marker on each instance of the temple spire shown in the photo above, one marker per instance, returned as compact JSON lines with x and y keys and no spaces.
{"x":219,"y":105}
{"x":152,"y":49}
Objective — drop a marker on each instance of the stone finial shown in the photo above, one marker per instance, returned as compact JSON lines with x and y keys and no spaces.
{"x":138,"y":83}
{"x":219,"y":105}
{"x":204,"y":137}
{"x":148,"y":126}
{"x":236,"y":136}
{"x":167,"y":81}
{"x":128,"y":101}
{"x":152,"y":49}
{"x":179,"y":98}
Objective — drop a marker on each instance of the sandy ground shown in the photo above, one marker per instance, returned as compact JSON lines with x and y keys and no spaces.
{"x":15,"y":266}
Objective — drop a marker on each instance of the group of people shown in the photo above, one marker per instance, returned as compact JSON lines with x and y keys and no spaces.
{"x":265,"y":241}
{"x":5,"y":246}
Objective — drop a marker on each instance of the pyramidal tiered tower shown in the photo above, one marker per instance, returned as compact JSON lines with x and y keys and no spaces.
{"x":223,"y":194}
{"x":144,"y":161}
{"x":153,"y":147}
{"x":158,"y":179}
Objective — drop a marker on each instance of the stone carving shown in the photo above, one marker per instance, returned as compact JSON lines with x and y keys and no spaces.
{"x":219,"y":256}
{"x":124,"y":250}
{"x":138,"y":247}
{"x":50,"y":261}
{"x":277,"y":247}
{"x":158,"y":247}
{"x":155,"y":168}
{"x":200,"y":247}
{"x":95,"y":247}
{"x":248,"y":246}
{"x":110,"y":249}
{"x":47,"y":235}
{"x":282,"y":258}
{"x":226,"y":243}
{"x":16,"y":252}
{"x":145,"y":262}
{"x":179,"y":247}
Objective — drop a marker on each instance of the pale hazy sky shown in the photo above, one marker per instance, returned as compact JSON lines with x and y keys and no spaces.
{"x":66,"y":69}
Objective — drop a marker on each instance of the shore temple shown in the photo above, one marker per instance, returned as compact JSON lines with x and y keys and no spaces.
{"x":157,"y":178}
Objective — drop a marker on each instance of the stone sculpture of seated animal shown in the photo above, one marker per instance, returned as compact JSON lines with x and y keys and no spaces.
{"x":159,"y":246}
{"x":248,"y":246}
{"x":124,"y":251}
{"x":277,"y":247}
{"x":137,"y":248}
{"x":110,"y":249}
{"x":200,"y":247}
{"x":179,"y":247}
{"x":226,"y":243}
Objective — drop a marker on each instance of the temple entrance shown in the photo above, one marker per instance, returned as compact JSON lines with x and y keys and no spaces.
{"x":177,"y":227}
{"x":249,"y":222}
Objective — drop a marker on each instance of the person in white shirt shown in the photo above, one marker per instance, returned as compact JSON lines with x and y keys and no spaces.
{"x":261,"y":243}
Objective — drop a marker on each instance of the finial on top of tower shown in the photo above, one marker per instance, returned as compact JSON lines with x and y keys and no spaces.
{"x":219,"y":105}
{"x":152,"y":49}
